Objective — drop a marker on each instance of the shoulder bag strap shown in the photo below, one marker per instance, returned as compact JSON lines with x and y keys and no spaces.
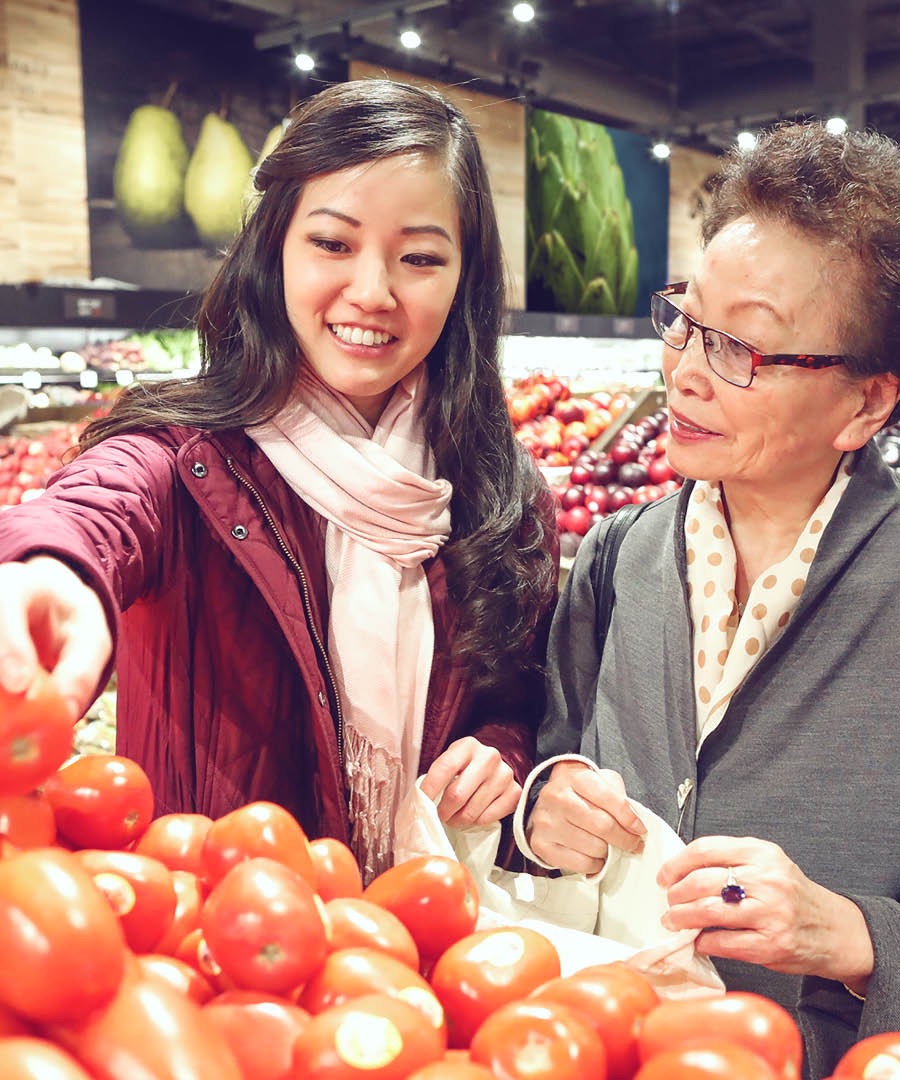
{"x":605,"y":563}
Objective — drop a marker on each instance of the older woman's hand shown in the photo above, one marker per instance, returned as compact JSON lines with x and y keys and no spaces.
{"x":476,"y":785}
{"x":579,"y":813}
{"x":784,"y":921}
{"x":49,"y":617}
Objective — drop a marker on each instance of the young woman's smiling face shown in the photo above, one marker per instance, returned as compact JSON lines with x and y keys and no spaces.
{"x":372,"y":258}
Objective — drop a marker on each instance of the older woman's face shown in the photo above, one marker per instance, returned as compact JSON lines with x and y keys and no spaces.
{"x":776,"y":290}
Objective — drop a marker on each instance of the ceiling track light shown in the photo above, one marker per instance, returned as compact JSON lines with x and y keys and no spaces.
{"x":745,"y":140}
{"x":303,"y":58}
{"x":522,"y":12}
{"x":836,"y":125}
{"x":407,"y":32}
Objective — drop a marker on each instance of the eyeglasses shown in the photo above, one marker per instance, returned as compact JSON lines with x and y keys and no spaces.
{"x":731,"y":359}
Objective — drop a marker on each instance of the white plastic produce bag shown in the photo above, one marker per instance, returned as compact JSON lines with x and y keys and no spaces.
{"x":614,"y":915}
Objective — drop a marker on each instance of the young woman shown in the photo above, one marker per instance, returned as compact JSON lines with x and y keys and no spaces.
{"x":323,"y":567}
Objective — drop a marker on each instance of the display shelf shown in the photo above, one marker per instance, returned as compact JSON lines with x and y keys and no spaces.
{"x":36,"y":305}
{"x":559,"y":324}
{"x":34,"y":379}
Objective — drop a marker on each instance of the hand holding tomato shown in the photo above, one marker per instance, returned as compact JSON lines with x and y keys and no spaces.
{"x":786,"y":922}
{"x":580,"y":813}
{"x":35,"y":736}
{"x":49,"y":618}
{"x":475,"y":784}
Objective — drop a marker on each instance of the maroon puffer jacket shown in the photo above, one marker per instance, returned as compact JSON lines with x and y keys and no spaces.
{"x":212,"y":574}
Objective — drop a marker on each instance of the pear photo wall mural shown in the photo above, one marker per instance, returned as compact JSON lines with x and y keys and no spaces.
{"x":596,"y":217}
{"x":177,"y":113}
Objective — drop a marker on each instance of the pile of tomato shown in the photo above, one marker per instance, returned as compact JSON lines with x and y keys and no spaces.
{"x":178,"y":947}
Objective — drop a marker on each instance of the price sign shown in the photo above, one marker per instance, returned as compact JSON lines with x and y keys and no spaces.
{"x":89,"y":306}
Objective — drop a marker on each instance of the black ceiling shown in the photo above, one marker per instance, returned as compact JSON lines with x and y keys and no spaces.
{"x":696,"y":70}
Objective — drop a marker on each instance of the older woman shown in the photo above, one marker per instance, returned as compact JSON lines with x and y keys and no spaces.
{"x":749,"y":689}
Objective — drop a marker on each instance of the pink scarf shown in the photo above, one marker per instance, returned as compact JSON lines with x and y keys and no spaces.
{"x":386,"y":514}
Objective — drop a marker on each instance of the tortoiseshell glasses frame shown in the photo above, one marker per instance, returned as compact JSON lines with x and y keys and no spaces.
{"x":728,"y":357}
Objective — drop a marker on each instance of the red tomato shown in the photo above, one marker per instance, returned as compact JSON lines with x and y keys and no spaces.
{"x":335,"y":868}
{"x":753,"y":1021}
{"x":264,"y":927}
{"x":433,"y":896}
{"x":614,"y":999}
{"x":176,"y":973}
{"x":452,"y":1069}
{"x":257,"y":829}
{"x":139,"y":890}
{"x":149,"y":1029}
{"x":194,"y":952}
{"x":376,"y":1036}
{"x":63,"y":949}
{"x":351,"y":973}
{"x":100,"y":801}
{"x":535,"y":1041}
{"x":189,"y":897}
{"x":177,"y":841}
{"x":37,"y":1059}
{"x":353,"y":921}
{"x":486,"y":969}
{"x":713,"y":1060}
{"x":13,"y":1024}
{"x":26,"y":821}
{"x":35,"y":735}
{"x":876,"y":1057}
{"x":260,"y":1034}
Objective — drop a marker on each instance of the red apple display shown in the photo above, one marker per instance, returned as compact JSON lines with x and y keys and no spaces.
{"x":633,"y":469}
{"x":556,"y":425}
{"x":28,"y":461}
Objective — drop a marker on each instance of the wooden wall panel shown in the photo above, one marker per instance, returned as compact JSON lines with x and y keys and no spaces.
{"x":501,"y":131}
{"x":43,"y":185}
{"x":689,"y":172}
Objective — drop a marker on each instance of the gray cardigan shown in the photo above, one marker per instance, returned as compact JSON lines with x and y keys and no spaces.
{"x":808,"y":753}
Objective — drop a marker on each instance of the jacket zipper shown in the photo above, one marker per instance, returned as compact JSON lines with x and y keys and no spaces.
{"x":304,"y":592}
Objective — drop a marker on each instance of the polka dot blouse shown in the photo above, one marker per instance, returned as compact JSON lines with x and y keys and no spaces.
{"x":728,"y":642}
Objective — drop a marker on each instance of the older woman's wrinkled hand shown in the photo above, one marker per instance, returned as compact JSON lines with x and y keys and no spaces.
{"x":50,"y":618}
{"x":476,"y":786}
{"x":579,"y":814}
{"x":783,"y":920}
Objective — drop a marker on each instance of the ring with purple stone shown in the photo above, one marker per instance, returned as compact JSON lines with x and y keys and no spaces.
{"x":732,"y":893}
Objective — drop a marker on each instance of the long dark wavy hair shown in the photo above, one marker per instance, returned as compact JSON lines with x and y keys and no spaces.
{"x":499,"y":559}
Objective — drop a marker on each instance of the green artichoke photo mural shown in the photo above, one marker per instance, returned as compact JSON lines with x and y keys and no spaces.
{"x":583,"y":256}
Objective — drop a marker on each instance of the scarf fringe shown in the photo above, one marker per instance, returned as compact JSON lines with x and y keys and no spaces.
{"x":375,"y":781}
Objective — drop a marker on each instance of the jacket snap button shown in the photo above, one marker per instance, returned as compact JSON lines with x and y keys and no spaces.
{"x":240,"y":532}
{"x":199,"y":469}
{"x":322,"y":698}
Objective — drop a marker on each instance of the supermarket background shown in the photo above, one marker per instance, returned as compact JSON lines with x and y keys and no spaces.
{"x":86,"y":305}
